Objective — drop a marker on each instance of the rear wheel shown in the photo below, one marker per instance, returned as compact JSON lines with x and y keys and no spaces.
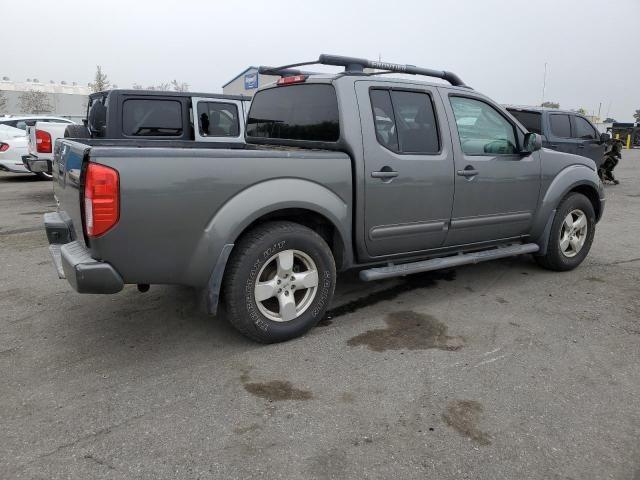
{"x":571,"y":234}
{"x":279,"y":282}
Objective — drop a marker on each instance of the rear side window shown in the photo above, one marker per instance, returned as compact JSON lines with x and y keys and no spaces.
{"x":405,"y":121}
{"x":532,"y":121}
{"x":152,"y":118}
{"x":218,"y":119}
{"x":298,"y":112}
{"x":560,"y":125}
{"x":584,"y":130}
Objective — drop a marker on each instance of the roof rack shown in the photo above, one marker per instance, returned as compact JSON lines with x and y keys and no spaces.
{"x":357,"y":65}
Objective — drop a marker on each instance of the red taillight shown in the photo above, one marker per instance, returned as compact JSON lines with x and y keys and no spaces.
{"x":101,"y":199}
{"x":4,"y":147}
{"x":292,"y":79}
{"x":43,"y":141}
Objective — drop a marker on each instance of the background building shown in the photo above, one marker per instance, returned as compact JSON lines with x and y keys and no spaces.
{"x":247,"y":82}
{"x":61,"y":99}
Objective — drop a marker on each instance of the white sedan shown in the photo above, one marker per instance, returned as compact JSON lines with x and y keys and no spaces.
{"x":13,"y":145}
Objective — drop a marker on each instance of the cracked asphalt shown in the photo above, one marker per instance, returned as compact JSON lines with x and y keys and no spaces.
{"x":493,"y":371}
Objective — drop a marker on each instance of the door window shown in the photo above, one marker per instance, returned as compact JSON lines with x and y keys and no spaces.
{"x":482,"y":129}
{"x":218,"y":119}
{"x":405,"y":121}
{"x":584,"y":130}
{"x":560,"y":126}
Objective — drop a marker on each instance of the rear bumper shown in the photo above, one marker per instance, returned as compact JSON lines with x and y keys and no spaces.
{"x":12,"y":166}
{"x":36,"y":165}
{"x":73,"y":260}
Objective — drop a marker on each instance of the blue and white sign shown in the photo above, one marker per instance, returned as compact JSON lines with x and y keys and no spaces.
{"x":251,"y":81}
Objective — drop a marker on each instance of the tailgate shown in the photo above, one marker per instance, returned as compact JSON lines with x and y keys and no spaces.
{"x":67,"y":166}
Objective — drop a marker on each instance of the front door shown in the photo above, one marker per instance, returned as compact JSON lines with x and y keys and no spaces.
{"x":496,"y":187}
{"x":408,"y":172}
{"x":588,"y":140}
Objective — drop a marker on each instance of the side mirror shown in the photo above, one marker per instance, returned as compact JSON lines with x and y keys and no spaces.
{"x":532,"y":142}
{"x":605,"y":137}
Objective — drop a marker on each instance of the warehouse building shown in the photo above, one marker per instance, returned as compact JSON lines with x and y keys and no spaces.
{"x":33,"y":96}
{"x":247,"y":82}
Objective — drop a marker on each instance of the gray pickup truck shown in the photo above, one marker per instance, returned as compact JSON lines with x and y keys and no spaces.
{"x":351,"y":170}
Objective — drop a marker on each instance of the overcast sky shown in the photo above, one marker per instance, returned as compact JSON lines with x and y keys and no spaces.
{"x":497,"y":47}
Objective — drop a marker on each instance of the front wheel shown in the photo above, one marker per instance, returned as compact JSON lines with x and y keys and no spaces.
{"x":44,"y":175}
{"x":279,"y":282}
{"x":571,"y":234}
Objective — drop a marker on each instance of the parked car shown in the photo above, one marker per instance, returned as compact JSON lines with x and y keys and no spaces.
{"x":40,"y":140}
{"x":181,"y":116}
{"x":13,"y":145}
{"x":341,"y":171}
{"x":564,"y":131}
{"x":15,"y":149}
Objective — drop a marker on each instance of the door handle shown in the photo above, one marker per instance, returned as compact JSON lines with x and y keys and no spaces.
{"x":580,"y":146}
{"x":385,"y":174}
{"x":468,"y":172}
{"x":553,"y":146}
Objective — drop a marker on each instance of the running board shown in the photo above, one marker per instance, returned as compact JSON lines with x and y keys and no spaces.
{"x":378,"y":273}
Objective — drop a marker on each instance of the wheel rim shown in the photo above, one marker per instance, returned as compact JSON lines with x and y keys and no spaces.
{"x":46,"y":175}
{"x":573,"y":233}
{"x":286,"y":285}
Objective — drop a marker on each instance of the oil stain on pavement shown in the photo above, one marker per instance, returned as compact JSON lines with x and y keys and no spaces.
{"x":277,"y":390}
{"x":408,"y":330}
{"x":464,"y":417}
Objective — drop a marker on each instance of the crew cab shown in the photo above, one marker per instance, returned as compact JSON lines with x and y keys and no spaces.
{"x":340,"y":171}
{"x":564,"y":131}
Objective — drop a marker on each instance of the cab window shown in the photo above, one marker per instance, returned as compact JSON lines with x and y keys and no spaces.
{"x":152,"y":118}
{"x":560,"y":125}
{"x":482,"y":129}
{"x":218,"y":119}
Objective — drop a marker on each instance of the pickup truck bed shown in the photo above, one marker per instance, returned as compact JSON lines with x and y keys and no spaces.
{"x":175,"y":237}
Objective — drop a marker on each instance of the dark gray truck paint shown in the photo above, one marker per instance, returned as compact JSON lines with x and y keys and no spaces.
{"x":183,"y":209}
{"x":581,"y":137}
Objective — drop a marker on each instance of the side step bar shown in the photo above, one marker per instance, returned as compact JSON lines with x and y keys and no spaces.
{"x":378,"y":273}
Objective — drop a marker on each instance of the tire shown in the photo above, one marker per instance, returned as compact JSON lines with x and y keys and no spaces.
{"x":44,"y":175}
{"x":76,"y":131}
{"x":280,"y":257}
{"x":563,"y":254}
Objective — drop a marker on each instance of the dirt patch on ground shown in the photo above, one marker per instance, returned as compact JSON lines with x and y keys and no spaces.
{"x":408,"y":330}
{"x":277,"y":390}
{"x":464,"y":417}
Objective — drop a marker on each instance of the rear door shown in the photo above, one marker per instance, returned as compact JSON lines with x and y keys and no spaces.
{"x":496,"y":187}
{"x":408,"y":164}
{"x":218,"y":120}
{"x":587,"y":139}
{"x":559,"y":135}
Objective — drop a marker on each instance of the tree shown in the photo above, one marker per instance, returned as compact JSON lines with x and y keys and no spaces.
{"x":137,"y":86}
{"x":100,"y":81}
{"x":610,"y":120}
{"x":180,"y":86}
{"x":581,"y":111}
{"x":3,"y":103}
{"x":35,"y":102}
{"x":550,"y":105}
{"x":637,"y":115}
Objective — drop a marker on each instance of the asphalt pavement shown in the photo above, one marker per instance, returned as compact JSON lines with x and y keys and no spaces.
{"x":493,"y":371}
